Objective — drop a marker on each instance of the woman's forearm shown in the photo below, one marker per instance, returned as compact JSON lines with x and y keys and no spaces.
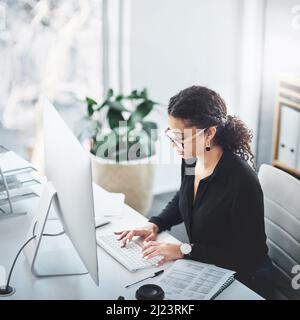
{"x":170,"y":216}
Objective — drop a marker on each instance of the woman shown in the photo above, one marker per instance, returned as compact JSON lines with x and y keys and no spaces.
{"x":220,"y":199}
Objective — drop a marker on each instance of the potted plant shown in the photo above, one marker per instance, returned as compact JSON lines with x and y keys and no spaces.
{"x":122,"y":144}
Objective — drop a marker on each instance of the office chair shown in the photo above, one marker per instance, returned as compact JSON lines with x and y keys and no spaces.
{"x":282,"y":223}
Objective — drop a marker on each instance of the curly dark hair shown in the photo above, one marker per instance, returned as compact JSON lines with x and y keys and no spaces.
{"x":202,"y":107}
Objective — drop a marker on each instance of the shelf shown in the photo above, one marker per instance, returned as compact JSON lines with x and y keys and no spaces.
{"x":286,"y":139}
{"x":16,"y":178}
{"x":18,"y":181}
{"x":283,"y":166}
{"x":24,"y":196}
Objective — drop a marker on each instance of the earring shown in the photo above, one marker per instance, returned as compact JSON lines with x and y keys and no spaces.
{"x":207,"y":148}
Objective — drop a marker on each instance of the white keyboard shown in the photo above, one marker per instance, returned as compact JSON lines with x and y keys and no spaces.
{"x":130,"y":256}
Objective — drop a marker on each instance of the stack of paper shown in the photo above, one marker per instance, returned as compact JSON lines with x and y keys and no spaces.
{"x":192,"y":280}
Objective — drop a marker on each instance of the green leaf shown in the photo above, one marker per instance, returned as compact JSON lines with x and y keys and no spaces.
{"x":109,"y":94}
{"x":90,"y":102}
{"x":133,"y":95}
{"x":101,"y":105}
{"x":119,"y":97}
{"x":144,"y":94}
{"x":150,"y":128}
{"x":116,"y":105}
{"x":141,"y":111}
{"x":114,"y":116}
{"x":144,"y":108}
{"x":154,"y":102}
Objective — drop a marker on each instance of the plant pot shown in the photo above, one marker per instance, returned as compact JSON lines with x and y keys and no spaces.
{"x":133,"y":178}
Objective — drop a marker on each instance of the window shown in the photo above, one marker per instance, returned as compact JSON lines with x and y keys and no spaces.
{"x":48,"y":46}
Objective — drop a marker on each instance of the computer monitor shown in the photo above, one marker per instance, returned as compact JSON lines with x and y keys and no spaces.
{"x":68,"y":170}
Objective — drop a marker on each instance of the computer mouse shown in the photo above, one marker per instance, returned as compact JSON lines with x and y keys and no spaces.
{"x":150,"y":292}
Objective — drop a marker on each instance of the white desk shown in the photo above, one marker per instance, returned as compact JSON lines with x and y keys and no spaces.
{"x":113,"y":276}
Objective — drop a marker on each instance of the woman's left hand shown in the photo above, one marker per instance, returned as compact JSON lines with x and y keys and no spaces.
{"x":169,"y":251}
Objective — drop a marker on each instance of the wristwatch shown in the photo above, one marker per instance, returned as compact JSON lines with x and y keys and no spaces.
{"x":186,"y":249}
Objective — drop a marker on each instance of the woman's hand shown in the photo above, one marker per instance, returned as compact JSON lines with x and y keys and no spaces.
{"x":169,"y":251}
{"x":149,"y":232}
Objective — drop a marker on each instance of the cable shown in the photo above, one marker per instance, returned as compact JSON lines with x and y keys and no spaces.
{"x":23,"y":246}
{"x":48,"y":234}
{"x":15,"y":260}
{"x":21,"y":249}
{"x":54,"y":234}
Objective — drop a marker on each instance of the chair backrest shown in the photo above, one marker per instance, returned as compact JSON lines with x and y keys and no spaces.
{"x":282,"y":220}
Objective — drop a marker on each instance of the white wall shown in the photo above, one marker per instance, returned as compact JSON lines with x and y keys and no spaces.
{"x":178,"y":43}
{"x":281,"y":56}
{"x":251,"y":63}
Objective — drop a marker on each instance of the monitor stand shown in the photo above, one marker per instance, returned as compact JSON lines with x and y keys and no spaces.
{"x":51,"y":257}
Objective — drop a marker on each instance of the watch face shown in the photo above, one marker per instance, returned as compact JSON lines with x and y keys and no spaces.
{"x":186,"y":248}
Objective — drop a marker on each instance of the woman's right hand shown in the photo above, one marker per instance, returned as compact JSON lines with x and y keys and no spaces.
{"x":149,"y":232}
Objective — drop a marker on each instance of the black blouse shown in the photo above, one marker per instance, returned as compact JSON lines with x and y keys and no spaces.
{"x":226,"y":223}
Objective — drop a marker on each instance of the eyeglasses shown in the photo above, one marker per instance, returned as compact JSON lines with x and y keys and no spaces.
{"x":180,"y":141}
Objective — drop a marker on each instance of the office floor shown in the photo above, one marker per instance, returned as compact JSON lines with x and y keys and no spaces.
{"x":159,"y":203}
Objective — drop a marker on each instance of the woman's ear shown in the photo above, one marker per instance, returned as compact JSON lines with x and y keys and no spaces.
{"x":210,"y":133}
